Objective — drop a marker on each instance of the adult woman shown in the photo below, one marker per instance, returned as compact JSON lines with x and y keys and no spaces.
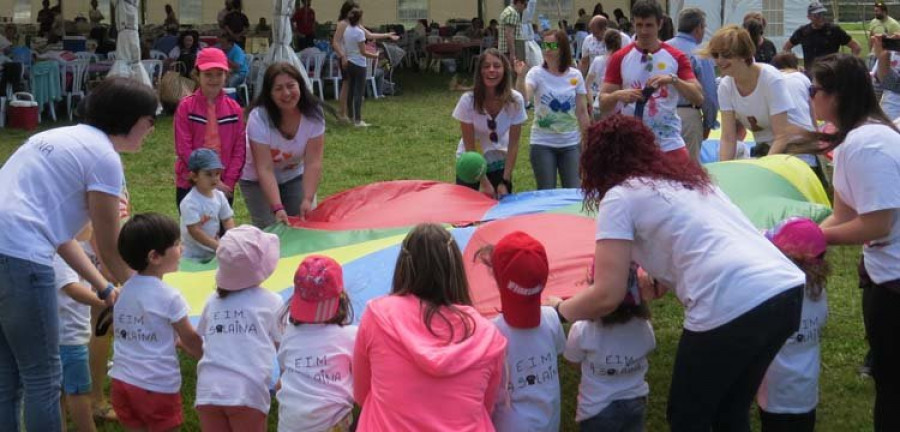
{"x":752,"y":93}
{"x":866,"y":209}
{"x":560,"y":112}
{"x":185,"y":52}
{"x":670,"y":218}
{"x":337,"y":42}
{"x":286,"y":135}
{"x":357,"y":56}
{"x":54,"y":184}
{"x":427,"y":338}
{"x":95,"y":16}
{"x":621,"y":20}
{"x":236,"y":23}
{"x":171,"y":19}
{"x":765,"y":49}
{"x":491,"y":117}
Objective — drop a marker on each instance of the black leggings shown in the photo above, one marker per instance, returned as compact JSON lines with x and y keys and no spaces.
{"x":717,"y":372}
{"x":772,"y":422}
{"x":495,"y":177}
{"x":881,"y":316}
{"x":355,"y":91}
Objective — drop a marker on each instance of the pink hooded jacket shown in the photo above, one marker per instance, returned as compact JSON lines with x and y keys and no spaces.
{"x":190,"y":133}
{"x":407,"y":379}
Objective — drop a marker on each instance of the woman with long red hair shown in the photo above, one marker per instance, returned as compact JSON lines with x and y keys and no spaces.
{"x":683,"y":230}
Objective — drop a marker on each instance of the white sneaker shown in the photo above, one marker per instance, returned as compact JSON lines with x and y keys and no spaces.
{"x":361,"y":124}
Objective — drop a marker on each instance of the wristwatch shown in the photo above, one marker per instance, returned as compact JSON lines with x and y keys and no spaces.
{"x":106,"y":291}
{"x":674,"y":78}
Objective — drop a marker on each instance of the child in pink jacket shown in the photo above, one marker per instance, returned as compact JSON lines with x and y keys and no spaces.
{"x":209,"y":118}
{"x":424,"y":358}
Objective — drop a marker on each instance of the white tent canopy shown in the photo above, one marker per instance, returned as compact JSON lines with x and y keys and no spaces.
{"x":281,"y":50}
{"x":128,"y":44}
{"x":781,"y":22}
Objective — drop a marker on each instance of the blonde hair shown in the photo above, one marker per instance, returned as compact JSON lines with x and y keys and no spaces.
{"x":731,"y":41}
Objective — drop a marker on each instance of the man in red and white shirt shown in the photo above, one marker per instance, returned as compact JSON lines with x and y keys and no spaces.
{"x":650,"y":62}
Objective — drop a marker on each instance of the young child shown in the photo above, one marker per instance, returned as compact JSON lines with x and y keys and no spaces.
{"x":316,"y":351}
{"x":209,"y":119}
{"x":613,"y":355}
{"x":531,"y":400}
{"x":239,"y":330}
{"x":471,"y":168}
{"x":75,"y":298}
{"x":205,"y":208}
{"x":149,"y":316}
{"x":789,"y":393}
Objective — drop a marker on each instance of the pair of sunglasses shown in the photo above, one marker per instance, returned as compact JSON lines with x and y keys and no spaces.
{"x":814,"y":90}
{"x":550,"y":46}
{"x":492,"y":125}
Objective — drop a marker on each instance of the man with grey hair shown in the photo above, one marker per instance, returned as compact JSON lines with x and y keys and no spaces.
{"x":696,"y":121}
{"x":593,"y":45}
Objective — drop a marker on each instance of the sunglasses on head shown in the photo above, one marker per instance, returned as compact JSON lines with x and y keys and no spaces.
{"x":814,"y":90}
{"x":492,"y":125}
{"x":551,"y":46}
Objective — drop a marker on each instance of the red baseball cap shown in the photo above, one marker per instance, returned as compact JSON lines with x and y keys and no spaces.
{"x":318,"y":284}
{"x":521,"y":270}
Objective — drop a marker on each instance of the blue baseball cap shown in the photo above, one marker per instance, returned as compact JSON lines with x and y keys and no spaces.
{"x":204,"y":159}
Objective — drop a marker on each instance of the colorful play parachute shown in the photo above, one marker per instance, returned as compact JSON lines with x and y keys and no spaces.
{"x":362,"y":228}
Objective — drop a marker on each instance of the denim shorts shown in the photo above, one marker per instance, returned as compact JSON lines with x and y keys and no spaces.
{"x":76,"y":370}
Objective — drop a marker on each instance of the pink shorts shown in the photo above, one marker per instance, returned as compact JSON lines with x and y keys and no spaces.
{"x":138,"y":408}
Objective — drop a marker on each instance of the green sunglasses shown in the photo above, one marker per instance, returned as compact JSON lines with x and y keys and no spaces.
{"x":550,"y":46}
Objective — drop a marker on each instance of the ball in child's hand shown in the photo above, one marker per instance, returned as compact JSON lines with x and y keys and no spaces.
{"x":471,"y":167}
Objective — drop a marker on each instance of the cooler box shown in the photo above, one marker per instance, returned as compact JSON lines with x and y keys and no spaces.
{"x":22,"y":112}
{"x":75,"y":43}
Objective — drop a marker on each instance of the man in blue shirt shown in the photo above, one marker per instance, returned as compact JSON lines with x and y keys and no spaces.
{"x":237,"y":61}
{"x":696,"y":122}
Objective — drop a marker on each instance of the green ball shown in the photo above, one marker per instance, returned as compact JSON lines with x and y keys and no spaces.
{"x":470,"y":167}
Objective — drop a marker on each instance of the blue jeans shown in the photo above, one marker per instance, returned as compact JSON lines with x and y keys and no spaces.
{"x":546,"y":161}
{"x":626,"y":415}
{"x":29,"y":345}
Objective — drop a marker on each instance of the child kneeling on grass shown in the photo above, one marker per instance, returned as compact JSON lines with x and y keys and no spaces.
{"x":316,"y":351}
{"x":75,"y":298}
{"x":530,"y":399}
{"x":613,"y":355}
{"x":789,"y":392}
{"x":205,"y":209}
{"x":149,"y":317}
{"x":239,"y":328}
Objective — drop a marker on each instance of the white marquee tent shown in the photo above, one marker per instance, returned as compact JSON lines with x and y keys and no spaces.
{"x":782,"y":16}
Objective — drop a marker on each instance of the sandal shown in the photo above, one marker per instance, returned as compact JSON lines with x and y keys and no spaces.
{"x":105,"y":413}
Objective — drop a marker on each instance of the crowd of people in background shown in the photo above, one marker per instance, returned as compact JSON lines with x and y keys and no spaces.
{"x":620,"y":110}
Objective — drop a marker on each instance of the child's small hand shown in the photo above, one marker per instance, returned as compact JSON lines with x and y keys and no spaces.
{"x":649,"y":287}
{"x":552,"y":301}
{"x":281,"y":216}
{"x":112,"y":297}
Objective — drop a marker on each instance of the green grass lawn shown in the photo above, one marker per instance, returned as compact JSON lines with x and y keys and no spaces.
{"x":414,"y":137}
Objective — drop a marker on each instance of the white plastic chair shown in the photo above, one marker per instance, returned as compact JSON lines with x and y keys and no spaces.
{"x":371,"y":68}
{"x":89,"y":56}
{"x":333,"y":74}
{"x":111,"y":55}
{"x":158,"y":55}
{"x":244,"y":86}
{"x":154,"y":70}
{"x":313,"y":64}
{"x":78,"y":68}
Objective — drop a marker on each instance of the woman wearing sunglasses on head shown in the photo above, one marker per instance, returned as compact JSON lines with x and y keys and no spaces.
{"x":490,"y":118}
{"x":754,"y":94}
{"x":560,"y":112}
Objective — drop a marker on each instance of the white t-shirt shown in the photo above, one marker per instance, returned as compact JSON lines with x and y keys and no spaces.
{"x":771,"y":96}
{"x":687,"y":240}
{"x":613,"y":362}
{"x":791,"y":385}
{"x":555,"y":123}
{"x":866,"y":172}
{"x":890,"y":101}
{"x":43,"y":201}
{"x":239,"y":334}
{"x":144,"y":347}
{"x":629,"y":68}
{"x":797,"y":85}
{"x":287,"y":155}
{"x":74,"y":317}
{"x":211,"y":211}
{"x":316,"y":377}
{"x":531,"y":401}
{"x":592,"y":47}
{"x":352,"y":37}
{"x":512,"y":114}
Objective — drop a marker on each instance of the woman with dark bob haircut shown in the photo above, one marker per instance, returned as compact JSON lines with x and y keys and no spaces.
{"x":53,"y":185}
{"x":866,"y":206}
{"x":286,"y":134}
{"x":683,"y":230}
